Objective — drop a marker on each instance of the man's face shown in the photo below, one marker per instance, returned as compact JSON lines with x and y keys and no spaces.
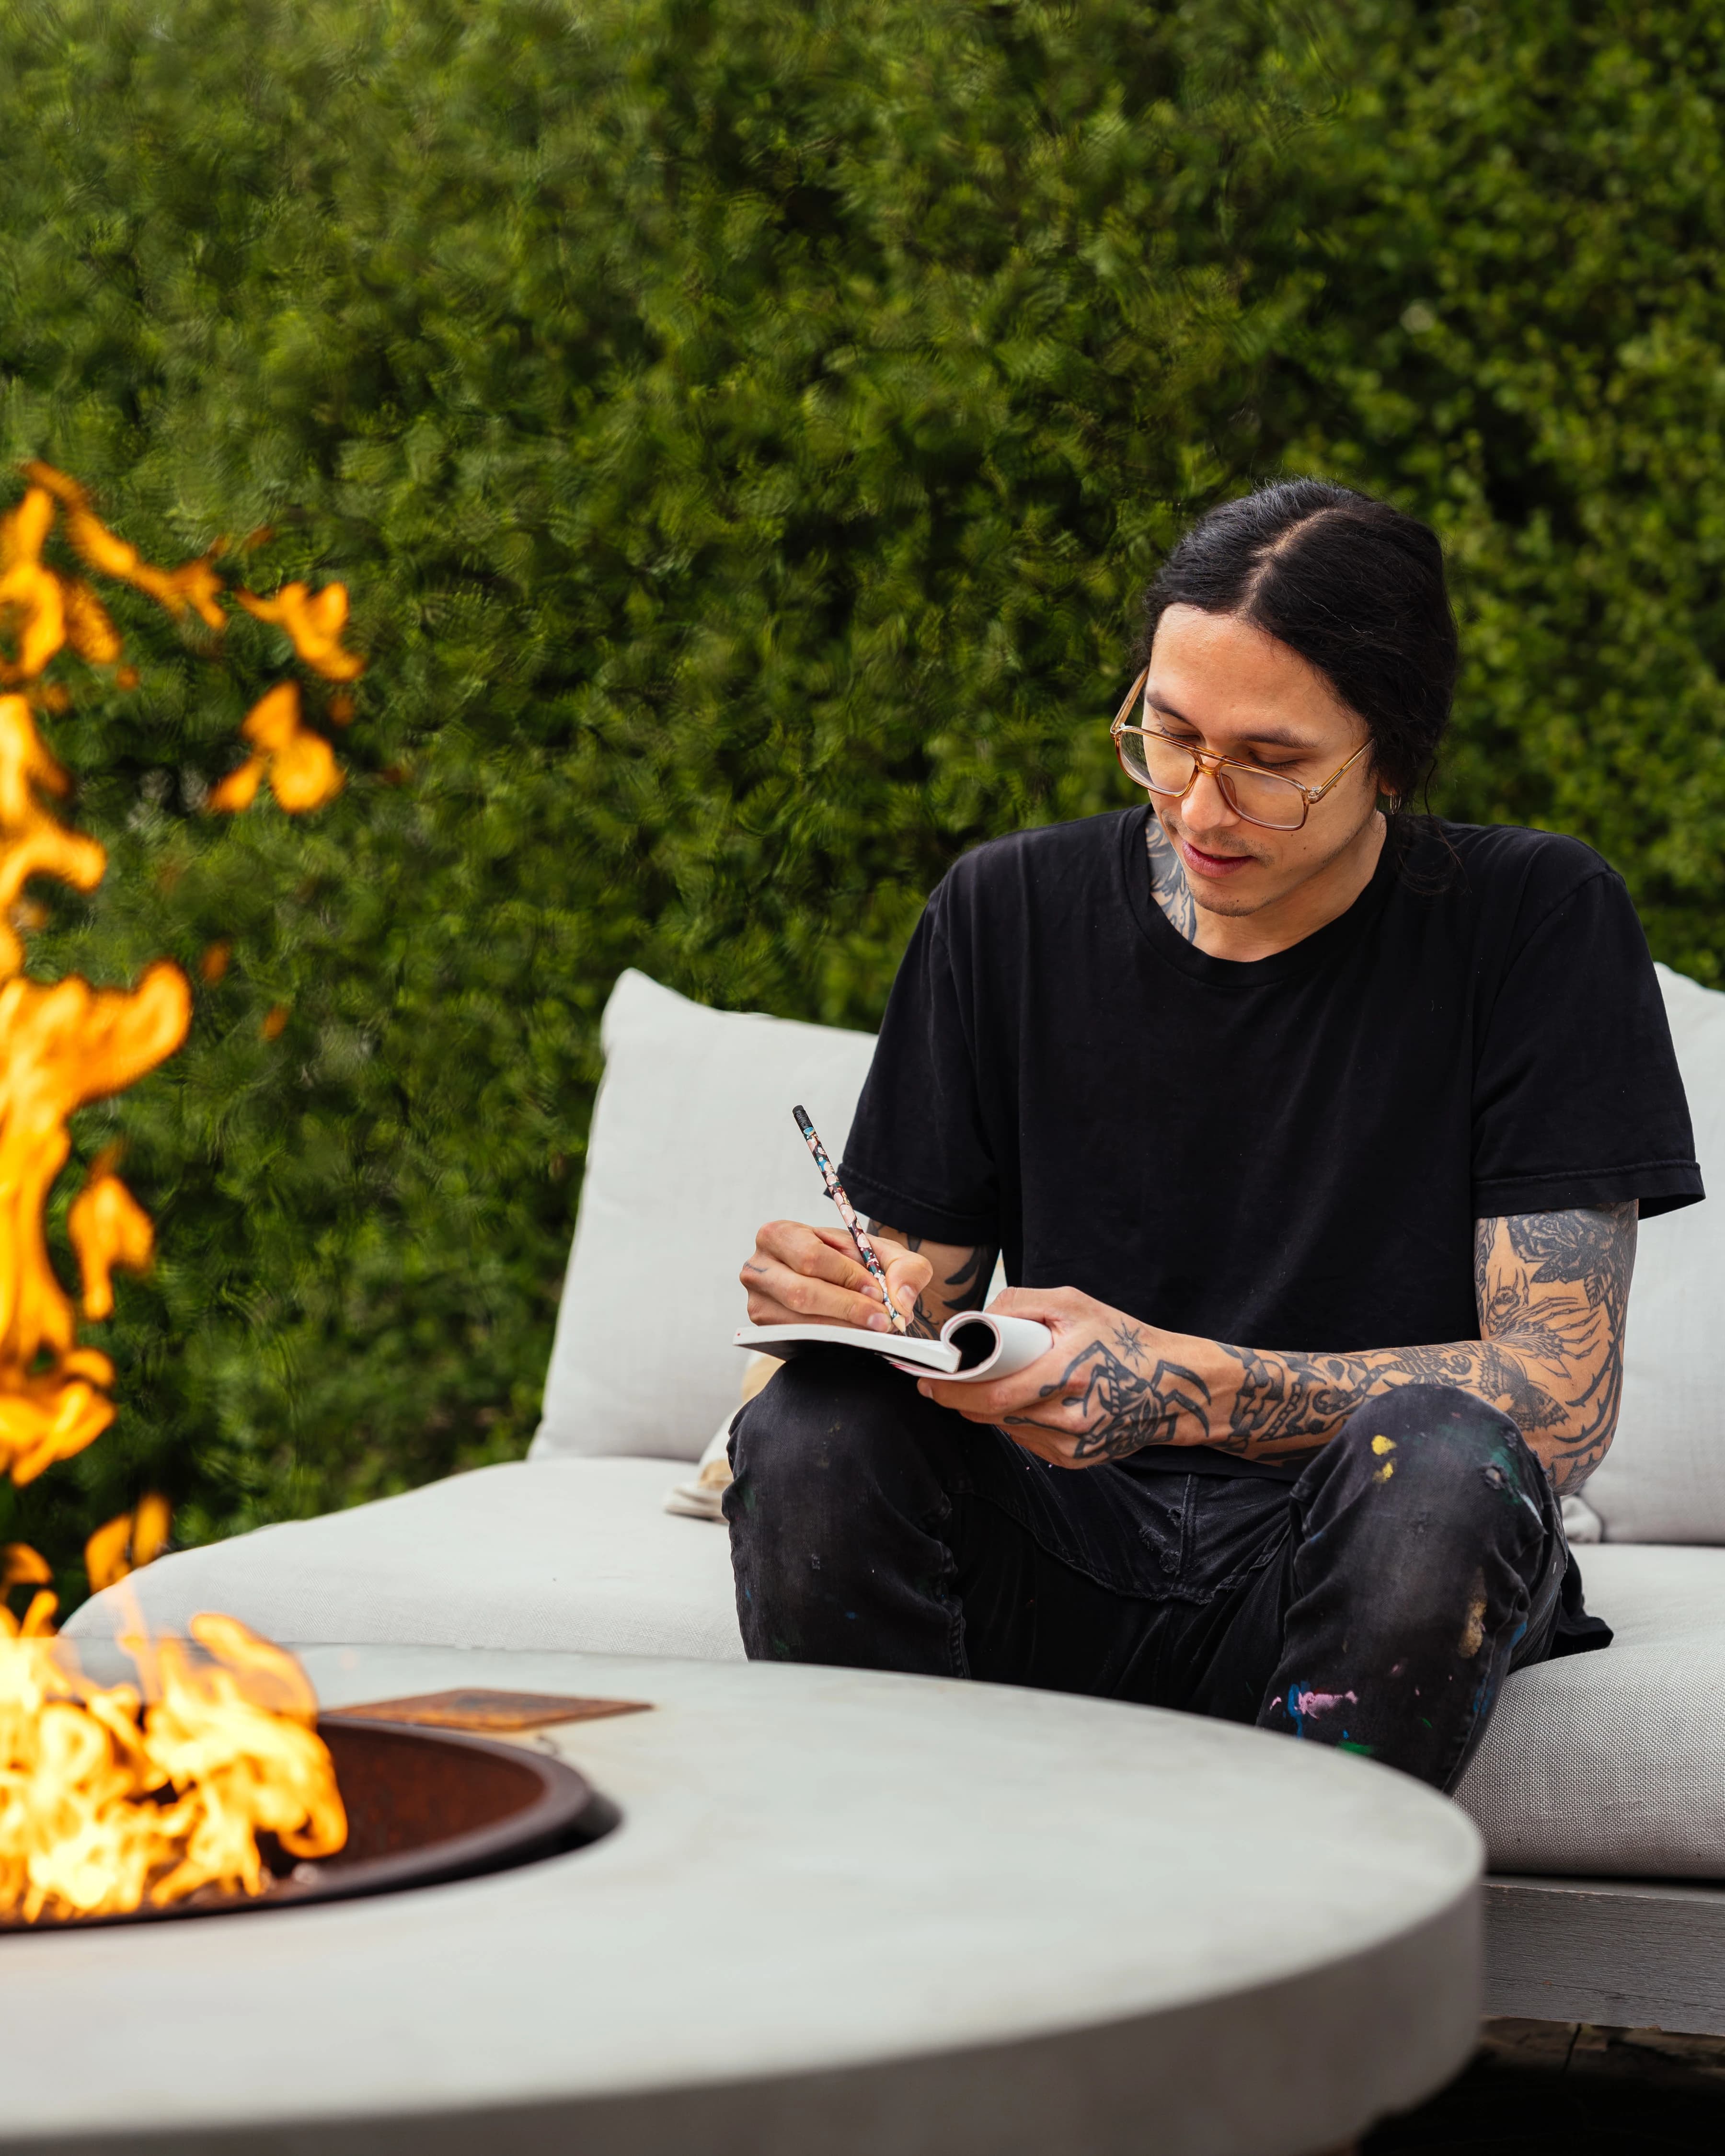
{"x":1217,"y":683}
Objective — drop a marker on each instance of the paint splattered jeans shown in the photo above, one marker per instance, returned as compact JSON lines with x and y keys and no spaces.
{"x":1377,"y":1604}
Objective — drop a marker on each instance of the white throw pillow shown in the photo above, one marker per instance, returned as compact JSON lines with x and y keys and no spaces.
{"x":1664,"y":1479}
{"x":693,"y":1147}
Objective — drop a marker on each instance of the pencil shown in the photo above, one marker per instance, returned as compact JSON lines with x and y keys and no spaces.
{"x":847,"y":1214}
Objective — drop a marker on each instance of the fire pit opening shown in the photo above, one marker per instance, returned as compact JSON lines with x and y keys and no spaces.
{"x":424,"y":1806}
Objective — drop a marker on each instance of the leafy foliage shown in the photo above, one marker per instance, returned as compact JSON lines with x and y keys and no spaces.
{"x":1520,"y":339}
{"x":744,"y":429}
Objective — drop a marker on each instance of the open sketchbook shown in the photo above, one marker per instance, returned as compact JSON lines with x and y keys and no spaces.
{"x":974,"y":1345}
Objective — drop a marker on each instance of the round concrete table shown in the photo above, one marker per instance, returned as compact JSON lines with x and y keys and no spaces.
{"x":844,"y":1913}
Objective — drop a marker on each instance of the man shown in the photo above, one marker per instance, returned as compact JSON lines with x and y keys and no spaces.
{"x":1263,"y":1061}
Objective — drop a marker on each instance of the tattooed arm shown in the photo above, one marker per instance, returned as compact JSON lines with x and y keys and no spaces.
{"x":959,"y":1282}
{"x":1552,"y":1290}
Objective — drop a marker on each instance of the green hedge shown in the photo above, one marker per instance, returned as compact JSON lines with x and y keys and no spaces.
{"x":744,"y":429}
{"x":1522,"y":337}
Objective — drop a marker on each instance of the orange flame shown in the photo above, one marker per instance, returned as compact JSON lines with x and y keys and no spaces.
{"x":21,"y":1565}
{"x":108,"y":1227}
{"x":65,"y":1046}
{"x":32,"y":841}
{"x":31,"y":596}
{"x":194,"y":584}
{"x":314,"y":625}
{"x":44,"y":611}
{"x":113,"y":1799}
{"x":121,"y":1545}
{"x":89,"y":629}
{"x":301,"y":765}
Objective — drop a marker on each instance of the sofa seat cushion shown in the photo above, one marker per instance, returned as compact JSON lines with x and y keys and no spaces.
{"x":1613,"y":1763}
{"x":565,"y":1553}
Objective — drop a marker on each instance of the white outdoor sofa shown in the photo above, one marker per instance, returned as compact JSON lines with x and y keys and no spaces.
{"x":1601,"y":1789}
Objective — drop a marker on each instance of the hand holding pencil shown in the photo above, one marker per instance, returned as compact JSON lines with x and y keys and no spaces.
{"x":847,"y":1213}
{"x":802,"y":1274}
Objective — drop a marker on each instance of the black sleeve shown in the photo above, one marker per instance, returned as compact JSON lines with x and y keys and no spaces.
{"x":1577,"y":1097}
{"x":917,"y":1156}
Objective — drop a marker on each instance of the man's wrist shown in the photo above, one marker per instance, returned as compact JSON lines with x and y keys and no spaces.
{"x":1218,"y":1372}
{"x":1185,"y":1379}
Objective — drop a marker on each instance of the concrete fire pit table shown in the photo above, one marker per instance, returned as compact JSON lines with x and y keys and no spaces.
{"x":843,"y":1914}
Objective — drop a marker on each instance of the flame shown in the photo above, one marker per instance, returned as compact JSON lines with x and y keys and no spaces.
{"x":32,"y":842}
{"x":151,"y":1524}
{"x":314,"y":625}
{"x":31,"y":596}
{"x":45,"y":611}
{"x":89,"y":630}
{"x":121,"y":1545}
{"x":194,"y":584}
{"x":107,"y":1553}
{"x":301,"y":765}
{"x":108,"y":1227}
{"x":21,"y":1565}
{"x":115,"y":1796}
{"x":65,"y":1046}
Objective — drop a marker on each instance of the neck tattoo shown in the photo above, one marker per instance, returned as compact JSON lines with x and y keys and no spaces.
{"x":1167,"y":880}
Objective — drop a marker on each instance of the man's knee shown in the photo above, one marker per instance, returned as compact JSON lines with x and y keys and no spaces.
{"x":837,"y":1467}
{"x":1431,"y":1502}
{"x":830,"y":1442}
{"x":1435,"y":1446}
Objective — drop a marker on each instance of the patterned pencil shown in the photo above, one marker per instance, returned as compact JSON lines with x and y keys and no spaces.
{"x":847,"y":1214}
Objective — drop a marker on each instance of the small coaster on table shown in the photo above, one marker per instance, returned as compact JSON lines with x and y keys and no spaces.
{"x":495,"y":1711}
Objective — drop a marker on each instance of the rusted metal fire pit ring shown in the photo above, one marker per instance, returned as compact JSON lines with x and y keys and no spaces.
{"x":424,"y":1806}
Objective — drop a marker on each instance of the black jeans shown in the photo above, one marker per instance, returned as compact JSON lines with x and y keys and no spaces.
{"x":1376,"y":1604}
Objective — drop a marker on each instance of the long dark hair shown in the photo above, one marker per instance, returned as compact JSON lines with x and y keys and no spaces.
{"x":1353,"y":586}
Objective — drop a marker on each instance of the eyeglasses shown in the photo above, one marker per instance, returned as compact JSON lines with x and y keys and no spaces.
{"x":1162,"y":765}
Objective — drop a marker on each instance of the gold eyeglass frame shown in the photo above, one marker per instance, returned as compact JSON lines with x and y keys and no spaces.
{"x":1206,"y":759}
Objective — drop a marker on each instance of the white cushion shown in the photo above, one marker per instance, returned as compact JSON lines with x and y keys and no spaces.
{"x":693,"y":1147}
{"x":1613,"y":1764}
{"x":565,"y":1553}
{"x":1664,"y":1479}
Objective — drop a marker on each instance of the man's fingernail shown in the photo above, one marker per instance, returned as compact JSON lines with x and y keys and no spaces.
{"x":906,"y":1299}
{"x":922,"y":1386}
{"x":879,"y":1321}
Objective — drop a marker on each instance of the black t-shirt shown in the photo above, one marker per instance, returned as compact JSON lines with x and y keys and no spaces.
{"x":1286,"y":1153}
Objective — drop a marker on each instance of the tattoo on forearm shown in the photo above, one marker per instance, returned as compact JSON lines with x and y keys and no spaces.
{"x":1168,"y":879}
{"x":1553,"y":1292}
{"x":1292,"y":1403}
{"x":966,"y":1287}
{"x":1552,"y":1289}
